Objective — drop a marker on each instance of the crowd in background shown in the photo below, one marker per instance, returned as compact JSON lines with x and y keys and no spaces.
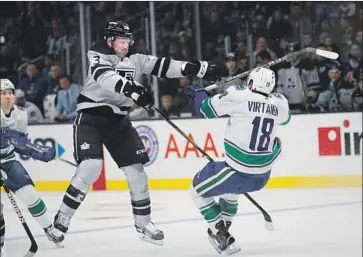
{"x":310,"y":83}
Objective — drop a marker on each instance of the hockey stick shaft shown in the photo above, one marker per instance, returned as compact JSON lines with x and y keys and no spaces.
{"x":326,"y":54}
{"x":266,"y":216}
{"x":34,"y":246}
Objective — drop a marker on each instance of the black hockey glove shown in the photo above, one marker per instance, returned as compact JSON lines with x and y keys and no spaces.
{"x":139,"y":94}
{"x":202,"y":69}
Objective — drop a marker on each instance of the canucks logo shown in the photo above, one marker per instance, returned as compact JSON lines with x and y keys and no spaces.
{"x":150,"y":140}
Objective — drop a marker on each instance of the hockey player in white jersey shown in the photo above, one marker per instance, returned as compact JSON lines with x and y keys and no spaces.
{"x":111,"y":90}
{"x":13,"y":139}
{"x":251,"y":148}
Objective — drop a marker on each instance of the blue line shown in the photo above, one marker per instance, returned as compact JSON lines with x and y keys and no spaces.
{"x":195,"y":219}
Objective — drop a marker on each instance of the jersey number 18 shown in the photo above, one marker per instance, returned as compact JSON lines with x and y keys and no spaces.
{"x":264,"y":129}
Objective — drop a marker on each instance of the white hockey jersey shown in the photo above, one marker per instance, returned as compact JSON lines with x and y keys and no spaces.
{"x":34,"y":114}
{"x":17,"y":120}
{"x":106,"y":69}
{"x":250,"y":141}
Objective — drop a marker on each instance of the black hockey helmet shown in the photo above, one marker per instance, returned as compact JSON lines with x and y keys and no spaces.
{"x":118,"y":28}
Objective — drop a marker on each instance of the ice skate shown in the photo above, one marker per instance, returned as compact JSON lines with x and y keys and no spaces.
{"x":150,"y":233}
{"x":62,"y":221}
{"x":223,"y":241}
{"x":2,"y":253}
{"x":55,"y":236}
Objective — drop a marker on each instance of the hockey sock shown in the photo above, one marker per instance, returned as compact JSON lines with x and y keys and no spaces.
{"x":2,"y":230}
{"x":30,"y":197}
{"x":210,"y":209}
{"x":141,"y":210}
{"x":229,"y":208}
{"x":137,"y":182}
{"x":72,"y":200}
{"x":87,"y":173}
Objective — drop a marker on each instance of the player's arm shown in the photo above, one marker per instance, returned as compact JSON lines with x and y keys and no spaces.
{"x":284,"y":110}
{"x":220,"y":105}
{"x":165,"y":67}
{"x":19,"y":139}
{"x":104,"y":74}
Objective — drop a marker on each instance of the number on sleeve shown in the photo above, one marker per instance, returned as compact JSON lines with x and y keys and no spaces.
{"x":96,"y":60}
{"x":266,"y":130}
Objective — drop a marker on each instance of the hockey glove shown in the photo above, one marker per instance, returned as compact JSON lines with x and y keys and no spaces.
{"x":201,"y":69}
{"x":16,"y":138}
{"x":139,"y":94}
{"x":191,"y":90}
{"x":45,"y":153}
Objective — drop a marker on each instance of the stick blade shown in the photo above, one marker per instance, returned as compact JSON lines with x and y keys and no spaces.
{"x":327,"y":54}
{"x":269,"y":226}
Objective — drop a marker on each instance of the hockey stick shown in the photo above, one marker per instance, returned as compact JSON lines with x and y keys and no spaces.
{"x":33,"y":247}
{"x":326,"y":54}
{"x":267,"y":217}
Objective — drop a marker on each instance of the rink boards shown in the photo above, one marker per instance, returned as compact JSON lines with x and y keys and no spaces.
{"x":321,"y":150}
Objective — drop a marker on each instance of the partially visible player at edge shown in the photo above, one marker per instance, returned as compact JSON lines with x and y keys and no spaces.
{"x":111,"y":89}
{"x":251,"y":148}
{"x":13,"y":139}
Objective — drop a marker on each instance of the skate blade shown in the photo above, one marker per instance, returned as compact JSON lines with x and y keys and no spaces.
{"x":232,"y":249}
{"x":150,"y":240}
{"x":59,"y":245}
{"x":214,"y":244}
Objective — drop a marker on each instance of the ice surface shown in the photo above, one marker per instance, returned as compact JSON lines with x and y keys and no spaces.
{"x":308,"y":222}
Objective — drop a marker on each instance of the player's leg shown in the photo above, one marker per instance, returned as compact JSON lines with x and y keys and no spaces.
{"x":215,"y":179}
{"x":19,"y":182}
{"x":229,"y":207}
{"x":87,"y":143}
{"x":128,"y":151}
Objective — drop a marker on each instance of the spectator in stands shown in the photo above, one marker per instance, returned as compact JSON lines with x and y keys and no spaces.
{"x":7,"y":63}
{"x":57,"y":39}
{"x":357,"y":96}
{"x":359,"y":37}
{"x":34,"y":86}
{"x":278,"y":27}
{"x":261,"y":45}
{"x":48,"y":60}
{"x":341,"y":89}
{"x":263,"y":58}
{"x":138,"y":113}
{"x":355,"y":55}
{"x":181,"y":102}
{"x":167,"y":106}
{"x":243,"y":63}
{"x":66,"y":109}
{"x":54,"y":74}
{"x":34,"y":114}
{"x":230,"y":63}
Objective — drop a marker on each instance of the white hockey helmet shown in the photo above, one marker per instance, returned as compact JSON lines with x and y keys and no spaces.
{"x":6,"y":84}
{"x":262,"y":80}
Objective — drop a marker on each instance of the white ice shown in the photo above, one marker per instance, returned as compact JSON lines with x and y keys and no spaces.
{"x":308,"y":222}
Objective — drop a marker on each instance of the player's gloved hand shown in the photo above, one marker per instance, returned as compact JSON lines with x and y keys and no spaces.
{"x":191,"y":90}
{"x":43,"y":153}
{"x":16,"y":138}
{"x":202,"y":69}
{"x":139,"y":94}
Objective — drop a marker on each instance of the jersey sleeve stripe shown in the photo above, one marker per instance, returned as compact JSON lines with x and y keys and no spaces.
{"x":95,"y":67}
{"x":165,"y":67}
{"x":156,"y":68}
{"x":206,"y":110}
{"x":287,"y":121}
{"x":98,"y":71}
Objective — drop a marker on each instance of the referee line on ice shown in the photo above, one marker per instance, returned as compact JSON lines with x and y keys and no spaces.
{"x":194,"y":219}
